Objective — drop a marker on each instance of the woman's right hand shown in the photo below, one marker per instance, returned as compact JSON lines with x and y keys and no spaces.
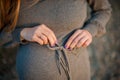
{"x":40,"y":34}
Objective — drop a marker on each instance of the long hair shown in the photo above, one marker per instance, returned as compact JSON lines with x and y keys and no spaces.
{"x":9,"y":11}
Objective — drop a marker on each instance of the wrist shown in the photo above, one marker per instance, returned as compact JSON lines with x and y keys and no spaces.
{"x":22,"y":34}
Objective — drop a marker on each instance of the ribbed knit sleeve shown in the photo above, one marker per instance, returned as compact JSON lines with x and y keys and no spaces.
{"x":101,"y":12}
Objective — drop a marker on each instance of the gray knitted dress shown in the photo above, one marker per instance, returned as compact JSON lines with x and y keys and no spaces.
{"x":36,"y":62}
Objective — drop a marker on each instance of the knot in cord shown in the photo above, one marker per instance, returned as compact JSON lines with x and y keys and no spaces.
{"x":56,"y":47}
{"x":61,"y":59}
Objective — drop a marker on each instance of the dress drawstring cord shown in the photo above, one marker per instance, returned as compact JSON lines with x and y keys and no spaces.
{"x":61,"y":59}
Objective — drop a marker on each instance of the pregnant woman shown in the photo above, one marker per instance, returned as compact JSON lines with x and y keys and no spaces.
{"x":53,"y":36}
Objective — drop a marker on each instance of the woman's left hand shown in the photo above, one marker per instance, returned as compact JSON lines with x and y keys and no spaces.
{"x":79,"y":38}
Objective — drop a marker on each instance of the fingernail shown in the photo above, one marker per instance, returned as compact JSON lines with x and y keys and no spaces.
{"x":65,"y":47}
{"x":69,"y":49}
{"x":53,"y":45}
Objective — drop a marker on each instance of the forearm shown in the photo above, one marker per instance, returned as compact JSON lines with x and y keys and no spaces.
{"x":5,"y":38}
{"x":10,"y":39}
{"x":101,"y":13}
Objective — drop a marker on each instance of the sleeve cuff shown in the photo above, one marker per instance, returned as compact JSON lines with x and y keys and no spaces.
{"x":95,"y":29}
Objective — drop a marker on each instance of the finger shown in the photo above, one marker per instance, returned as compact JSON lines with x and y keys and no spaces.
{"x":72,"y":38}
{"x":87,"y":43}
{"x":48,"y":33}
{"x":84,"y":44}
{"x":82,"y":41}
{"x":52,"y":33}
{"x":54,"y":37}
{"x":38,"y":40}
{"x":50,"y":38}
{"x":75,"y":41}
{"x":44,"y":38}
